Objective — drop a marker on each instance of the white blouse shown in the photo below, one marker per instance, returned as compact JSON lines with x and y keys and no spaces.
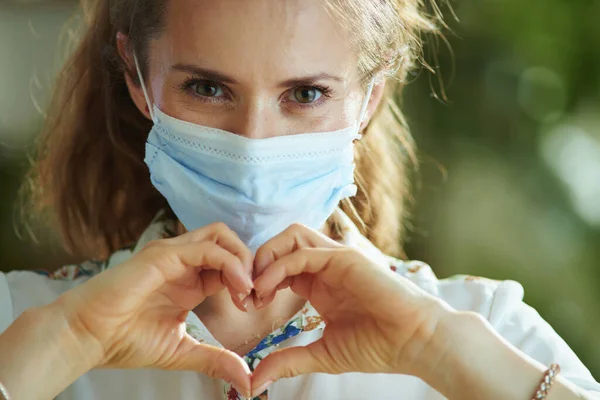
{"x":500,"y":302}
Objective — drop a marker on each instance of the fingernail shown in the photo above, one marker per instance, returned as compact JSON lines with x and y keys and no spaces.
{"x":243,"y":301}
{"x":261,"y":389}
{"x":259,"y":303}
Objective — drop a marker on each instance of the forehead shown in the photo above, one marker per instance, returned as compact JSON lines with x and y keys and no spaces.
{"x":257,"y":38}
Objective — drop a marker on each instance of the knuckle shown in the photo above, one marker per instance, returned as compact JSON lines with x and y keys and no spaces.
{"x":306,"y":253}
{"x":262,"y":257}
{"x":302,"y":254}
{"x":288,"y":372}
{"x":245,"y":255}
{"x":205,"y":369}
{"x":260,"y":253}
{"x":217,"y":227}
{"x":212,"y":368}
{"x":159,"y":254}
{"x":297,"y":227}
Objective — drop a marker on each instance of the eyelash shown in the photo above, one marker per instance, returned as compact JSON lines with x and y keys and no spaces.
{"x":189,"y":83}
{"x":325,"y":95}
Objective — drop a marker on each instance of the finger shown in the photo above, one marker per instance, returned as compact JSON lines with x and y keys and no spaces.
{"x":267,"y":299}
{"x":295,"y":237}
{"x":216,"y":363}
{"x":262,"y":302}
{"x":243,"y":304}
{"x":286,"y":283}
{"x":212,"y":282}
{"x":238,"y":299}
{"x":229,"y":240}
{"x":302,"y":285}
{"x":215,"y":257}
{"x":288,"y":363}
{"x":301,"y":261}
{"x":222,"y":235}
{"x":174,"y":261}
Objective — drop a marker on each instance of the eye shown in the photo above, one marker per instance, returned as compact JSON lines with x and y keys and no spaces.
{"x":305,"y":94}
{"x":207,"y":89}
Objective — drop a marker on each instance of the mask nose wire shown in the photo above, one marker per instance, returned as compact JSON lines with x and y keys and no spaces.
{"x":141,"y":78}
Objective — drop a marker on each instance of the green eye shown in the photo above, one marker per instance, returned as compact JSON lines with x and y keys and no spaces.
{"x":306,"y":94}
{"x":207,"y":89}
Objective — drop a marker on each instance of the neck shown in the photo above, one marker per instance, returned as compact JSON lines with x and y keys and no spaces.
{"x":241,"y":331}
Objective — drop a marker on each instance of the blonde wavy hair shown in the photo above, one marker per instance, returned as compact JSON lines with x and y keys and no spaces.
{"x":89,"y":175}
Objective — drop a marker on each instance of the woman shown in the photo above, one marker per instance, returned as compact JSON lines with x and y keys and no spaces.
{"x":254,"y":110}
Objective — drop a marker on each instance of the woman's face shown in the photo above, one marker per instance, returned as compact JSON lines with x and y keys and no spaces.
{"x":257,"y":68}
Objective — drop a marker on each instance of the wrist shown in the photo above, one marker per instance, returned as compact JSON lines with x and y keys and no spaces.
{"x":40,"y":347}
{"x":73,"y":339}
{"x":453,"y":352}
{"x":82,"y":345}
{"x":474,"y":362}
{"x":428,"y":345}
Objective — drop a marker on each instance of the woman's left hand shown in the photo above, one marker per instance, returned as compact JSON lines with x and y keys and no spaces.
{"x":376,"y":321}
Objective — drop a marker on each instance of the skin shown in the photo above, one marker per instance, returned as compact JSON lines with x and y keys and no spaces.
{"x":268,"y":68}
{"x":288,"y":46}
{"x":133,"y":315}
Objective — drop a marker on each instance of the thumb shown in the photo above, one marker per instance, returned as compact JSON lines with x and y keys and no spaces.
{"x":288,"y":363}
{"x":215,"y":362}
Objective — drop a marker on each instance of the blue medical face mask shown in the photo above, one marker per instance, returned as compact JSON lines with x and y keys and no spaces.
{"x":257,"y":187}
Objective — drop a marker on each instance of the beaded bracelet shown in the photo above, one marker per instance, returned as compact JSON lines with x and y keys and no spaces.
{"x":546,"y":382}
{"x":3,"y":393}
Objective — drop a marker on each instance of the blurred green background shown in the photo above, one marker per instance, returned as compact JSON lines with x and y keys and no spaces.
{"x":510,"y":174}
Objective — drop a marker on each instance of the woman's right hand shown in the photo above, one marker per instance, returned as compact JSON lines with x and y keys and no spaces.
{"x":135,"y":312}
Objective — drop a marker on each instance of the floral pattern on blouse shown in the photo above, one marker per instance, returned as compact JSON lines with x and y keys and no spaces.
{"x":72,"y":272}
{"x":305,"y":320}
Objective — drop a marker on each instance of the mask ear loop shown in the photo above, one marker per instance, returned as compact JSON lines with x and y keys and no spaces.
{"x":141,"y":78}
{"x":363,"y":113}
{"x":363,"y":110}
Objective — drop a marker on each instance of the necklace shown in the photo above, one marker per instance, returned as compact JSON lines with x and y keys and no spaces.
{"x":257,"y":336}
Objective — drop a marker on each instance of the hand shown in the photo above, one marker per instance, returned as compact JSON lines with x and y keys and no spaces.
{"x":136,"y":312}
{"x":376,"y":321}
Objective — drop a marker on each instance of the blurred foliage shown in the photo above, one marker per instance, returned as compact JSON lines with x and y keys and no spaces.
{"x":510,"y":161}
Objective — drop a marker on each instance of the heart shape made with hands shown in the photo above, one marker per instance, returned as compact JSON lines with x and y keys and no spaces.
{"x":273,"y":272}
{"x":370,"y":312}
{"x":134,"y":315}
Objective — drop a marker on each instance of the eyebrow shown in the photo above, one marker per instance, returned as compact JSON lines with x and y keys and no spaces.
{"x":204,"y":72}
{"x":219,"y":77}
